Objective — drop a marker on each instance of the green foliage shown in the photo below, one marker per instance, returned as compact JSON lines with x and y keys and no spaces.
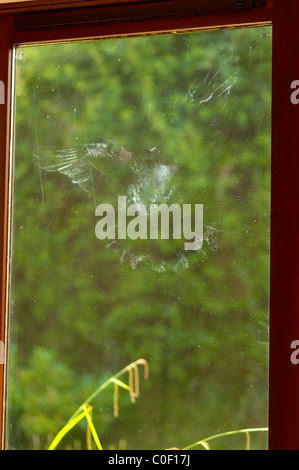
{"x":198,"y":105}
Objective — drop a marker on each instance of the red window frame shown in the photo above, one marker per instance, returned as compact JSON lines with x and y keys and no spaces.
{"x":41,"y":21}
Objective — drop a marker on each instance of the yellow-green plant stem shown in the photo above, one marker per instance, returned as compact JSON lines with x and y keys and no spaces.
{"x":204,"y":442}
{"x":67,"y":428}
{"x":92,"y":429}
{"x":79,"y":414}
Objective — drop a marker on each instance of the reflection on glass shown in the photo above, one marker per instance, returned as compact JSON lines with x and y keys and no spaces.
{"x":178,"y":119}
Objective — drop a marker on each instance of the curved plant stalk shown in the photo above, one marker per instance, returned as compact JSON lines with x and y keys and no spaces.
{"x":118,"y":383}
{"x":247,"y":440}
{"x":92,"y":428}
{"x":112,"y":379}
{"x":136,"y":378}
{"x":72,"y":423}
{"x":84,"y":411}
{"x":204,"y":442}
{"x":88,"y":437}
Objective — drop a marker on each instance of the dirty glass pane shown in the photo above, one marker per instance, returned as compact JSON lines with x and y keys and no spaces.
{"x":107,"y":132}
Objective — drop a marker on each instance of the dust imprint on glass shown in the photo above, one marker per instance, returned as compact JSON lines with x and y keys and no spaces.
{"x":149,"y":196}
{"x":89,"y":167}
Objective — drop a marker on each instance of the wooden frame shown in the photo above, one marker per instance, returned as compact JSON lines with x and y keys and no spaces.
{"x":45,"y":21}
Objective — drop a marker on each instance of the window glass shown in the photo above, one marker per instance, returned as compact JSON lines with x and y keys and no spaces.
{"x":141,"y":209}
